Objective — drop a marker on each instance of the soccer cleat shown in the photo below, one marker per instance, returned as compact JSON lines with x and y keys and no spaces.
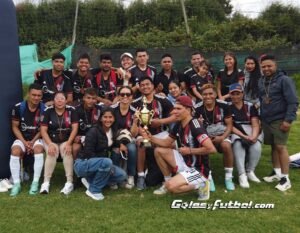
{"x":229,"y":184}
{"x":85,"y":183}
{"x":45,"y":188}
{"x":160,"y":191}
{"x":130,"y":182}
{"x":272,"y":177}
{"x":284,"y":184}
{"x":2,"y":188}
{"x":244,"y":181}
{"x":6,"y":183}
{"x":16,"y":189}
{"x":204,"y":191}
{"x":34,"y":188}
{"x":252,"y":177}
{"x":212,"y":186}
{"x":95,"y":196}
{"x":68,"y":188}
{"x":140,"y":184}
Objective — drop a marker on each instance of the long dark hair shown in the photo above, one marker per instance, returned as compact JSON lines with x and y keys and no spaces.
{"x":105,"y":110}
{"x":255,"y":75}
{"x":231,"y":54}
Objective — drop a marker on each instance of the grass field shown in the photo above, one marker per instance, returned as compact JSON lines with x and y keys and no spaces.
{"x":134,"y":211}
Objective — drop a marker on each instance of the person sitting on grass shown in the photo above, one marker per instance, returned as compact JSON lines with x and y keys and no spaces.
{"x":190,"y":162}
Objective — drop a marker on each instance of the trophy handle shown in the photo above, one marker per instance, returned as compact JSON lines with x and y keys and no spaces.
{"x":151,"y":115}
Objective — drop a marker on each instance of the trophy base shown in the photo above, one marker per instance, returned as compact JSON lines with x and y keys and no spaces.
{"x":146,"y":144}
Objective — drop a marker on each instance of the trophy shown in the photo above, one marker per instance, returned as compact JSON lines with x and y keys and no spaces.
{"x":145,"y":117}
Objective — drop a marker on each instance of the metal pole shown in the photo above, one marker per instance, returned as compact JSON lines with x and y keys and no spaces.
{"x":186,"y":23}
{"x":75,"y":23}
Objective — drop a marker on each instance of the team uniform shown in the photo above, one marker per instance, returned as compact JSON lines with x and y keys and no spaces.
{"x":198,"y":81}
{"x":51,"y":85}
{"x":79,"y":84}
{"x":228,"y":79}
{"x":194,"y":168}
{"x":165,"y":80}
{"x":123,"y":121}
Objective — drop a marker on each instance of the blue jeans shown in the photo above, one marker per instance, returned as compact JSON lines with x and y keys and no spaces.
{"x":99,"y":172}
{"x":132,"y":158}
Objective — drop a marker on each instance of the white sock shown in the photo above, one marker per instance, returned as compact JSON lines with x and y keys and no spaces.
{"x":210,"y":176}
{"x":277,"y":171}
{"x":38,"y":166}
{"x":15,"y":167}
{"x":141,"y":174}
{"x":228,"y":173}
{"x":167,"y":178}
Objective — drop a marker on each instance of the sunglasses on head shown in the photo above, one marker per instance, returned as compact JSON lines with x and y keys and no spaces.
{"x":125,"y":94}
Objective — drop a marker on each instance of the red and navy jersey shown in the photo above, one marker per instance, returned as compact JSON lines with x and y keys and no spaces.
{"x":51,"y":84}
{"x":87,"y":117}
{"x":243,"y":115}
{"x":29,"y":122}
{"x":59,"y":127}
{"x":228,"y":79}
{"x":107,"y":87}
{"x":217,"y":115}
{"x":193,"y":135}
{"x":187,"y":77}
{"x":165,"y":80}
{"x":79,"y":83}
{"x":161,"y":107}
{"x":123,"y":121}
{"x":198,"y":81}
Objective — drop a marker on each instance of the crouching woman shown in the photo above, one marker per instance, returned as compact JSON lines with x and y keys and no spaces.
{"x":93,"y":162}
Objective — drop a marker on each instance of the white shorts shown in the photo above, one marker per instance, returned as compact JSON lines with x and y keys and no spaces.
{"x":193,"y":177}
{"x":19,"y":143}
{"x":181,"y":165}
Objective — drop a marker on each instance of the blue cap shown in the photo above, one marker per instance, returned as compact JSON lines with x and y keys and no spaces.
{"x":235,"y":87}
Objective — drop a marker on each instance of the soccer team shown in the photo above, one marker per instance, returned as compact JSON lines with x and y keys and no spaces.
{"x":91,"y":118}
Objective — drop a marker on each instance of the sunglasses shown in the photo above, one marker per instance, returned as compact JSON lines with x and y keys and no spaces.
{"x":125,"y":94}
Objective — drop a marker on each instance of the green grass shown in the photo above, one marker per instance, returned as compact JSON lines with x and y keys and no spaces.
{"x":135,"y":211}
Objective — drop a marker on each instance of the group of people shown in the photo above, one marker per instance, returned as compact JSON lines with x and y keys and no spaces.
{"x":92,"y":119}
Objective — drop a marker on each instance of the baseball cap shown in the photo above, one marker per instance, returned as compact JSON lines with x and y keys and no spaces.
{"x":185,"y":101}
{"x":126,"y":55}
{"x":235,"y":87}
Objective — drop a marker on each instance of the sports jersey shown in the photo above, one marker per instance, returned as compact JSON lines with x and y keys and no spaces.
{"x":123,"y":121}
{"x":161,"y":107}
{"x":198,"y":81}
{"x":165,"y":80}
{"x":29,"y":122}
{"x":59,"y":127}
{"x":220,"y":112}
{"x":243,"y":115}
{"x":51,"y":84}
{"x":193,"y":136}
{"x":107,"y":88}
{"x":87,"y":117}
{"x":228,"y":79}
{"x":187,"y":77}
{"x":79,"y":83}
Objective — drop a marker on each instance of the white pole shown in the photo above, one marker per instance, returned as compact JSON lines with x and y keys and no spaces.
{"x":186,"y":23}
{"x":75,"y":23}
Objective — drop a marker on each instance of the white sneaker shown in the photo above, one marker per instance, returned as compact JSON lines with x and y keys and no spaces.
{"x":244,"y":181}
{"x":272,"y":177}
{"x":2,"y":188}
{"x":113,"y":186}
{"x":95,"y":196}
{"x":45,"y":188}
{"x":6,"y":183}
{"x":161,"y":191}
{"x":284,"y":184}
{"x":85,"y":183}
{"x":252,"y":177}
{"x":130,"y":182}
{"x":68,"y":188}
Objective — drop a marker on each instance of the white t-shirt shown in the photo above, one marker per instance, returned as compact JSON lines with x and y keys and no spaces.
{"x":110,"y":137}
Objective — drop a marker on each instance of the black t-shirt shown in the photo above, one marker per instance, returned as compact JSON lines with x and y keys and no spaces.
{"x":243,"y":115}
{"x":59,"y":127}
{"x":165,"y":80}
{"x":29,"y":121}
{"x":187,"y":77}
{"x":87,"y":117}
{"x":192,"y":135}
{"x":79,"y":83}
{"x":228,"y":79}
{"x":218,"y":115}
{"x":161,"y":107}
{"x":198,"y":81}
{"x":51,"y":84}
{"x":123,"y":121}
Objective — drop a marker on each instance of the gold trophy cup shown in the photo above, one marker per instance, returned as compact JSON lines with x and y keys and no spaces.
{"x":145,"y":118}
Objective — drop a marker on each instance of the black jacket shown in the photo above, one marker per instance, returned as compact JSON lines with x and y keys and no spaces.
{"x":96,"y":143}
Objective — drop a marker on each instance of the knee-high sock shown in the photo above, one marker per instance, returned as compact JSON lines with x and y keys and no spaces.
{"x":38,"y":166}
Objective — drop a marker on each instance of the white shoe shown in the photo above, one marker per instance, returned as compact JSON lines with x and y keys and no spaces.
{"x":113,"y":186}
{"x":284,"y":184}
{"x":271,"y":178}
{"x":2,"y":188}
{"x":161,"y":191}
{"x":45,"y":188}
{"x":95,"y":196}
{"x":252,"y":177}
{"x":6,"y":183}
{"x":130,"y":182}
{"x":68,"y":188}
{"x":85,"y":183}
{"x":244,"y":181}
